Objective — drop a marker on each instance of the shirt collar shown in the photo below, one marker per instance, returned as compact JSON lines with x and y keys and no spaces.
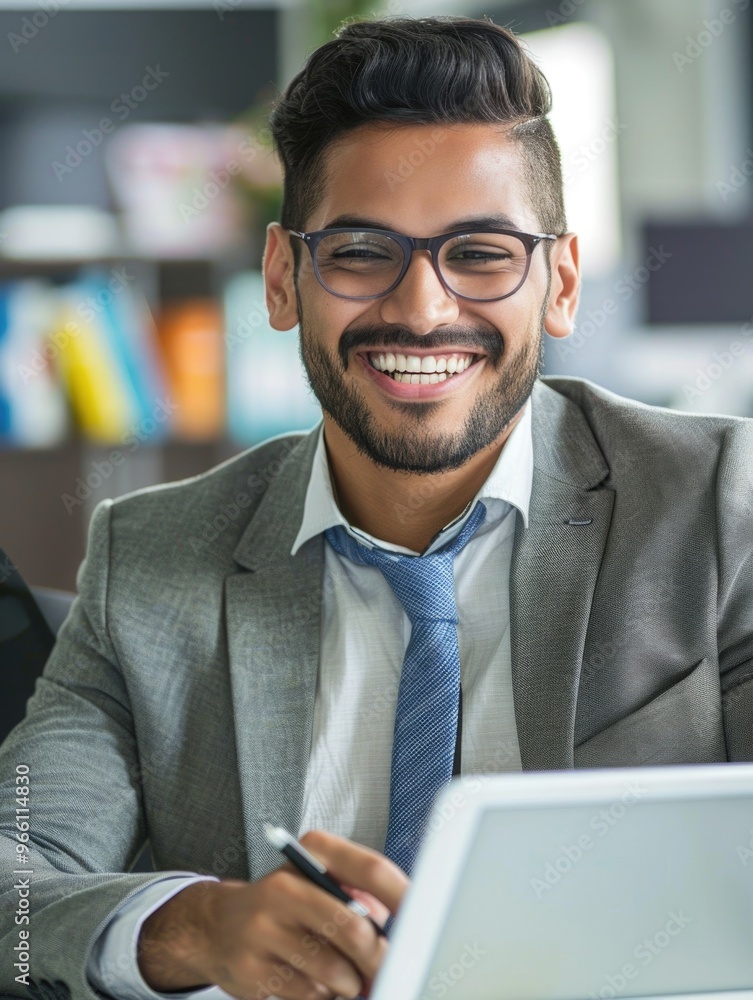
{"x":510,"y":480}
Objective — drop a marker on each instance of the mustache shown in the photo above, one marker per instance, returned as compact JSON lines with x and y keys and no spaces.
{"x":377,"y":338}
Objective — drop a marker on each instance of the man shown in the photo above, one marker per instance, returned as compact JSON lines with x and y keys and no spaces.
{"x":591,"y":555}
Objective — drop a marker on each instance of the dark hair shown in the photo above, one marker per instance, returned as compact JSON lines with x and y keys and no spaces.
{"x":415,"y":71}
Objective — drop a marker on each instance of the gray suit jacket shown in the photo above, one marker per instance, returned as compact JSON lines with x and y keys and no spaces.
{"x":177,"y":704}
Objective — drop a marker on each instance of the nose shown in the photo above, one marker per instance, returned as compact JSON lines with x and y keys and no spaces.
{"x":420,"y":301}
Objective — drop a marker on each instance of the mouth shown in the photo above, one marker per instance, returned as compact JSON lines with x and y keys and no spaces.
{"x":421,"y":369}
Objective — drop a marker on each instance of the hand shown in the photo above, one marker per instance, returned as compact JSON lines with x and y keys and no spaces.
{"x":281,"y":936}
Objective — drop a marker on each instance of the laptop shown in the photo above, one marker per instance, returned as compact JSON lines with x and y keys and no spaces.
{"x":581,"y":885}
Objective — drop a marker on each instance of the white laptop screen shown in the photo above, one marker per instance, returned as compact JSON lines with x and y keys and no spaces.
{"x":628,"y":898}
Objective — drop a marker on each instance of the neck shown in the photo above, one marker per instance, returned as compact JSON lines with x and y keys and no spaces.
{"x":403,"y":508}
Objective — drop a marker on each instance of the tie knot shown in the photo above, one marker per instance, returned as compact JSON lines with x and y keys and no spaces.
{"x":424,"y":585}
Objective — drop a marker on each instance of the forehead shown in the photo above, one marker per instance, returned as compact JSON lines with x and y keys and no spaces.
{"x":425,"y":179}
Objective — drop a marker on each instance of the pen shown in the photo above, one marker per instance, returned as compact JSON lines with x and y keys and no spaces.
{"x":313,"y":869}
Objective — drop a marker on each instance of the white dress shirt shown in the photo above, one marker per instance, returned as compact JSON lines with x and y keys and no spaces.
{"x":346,"y":789}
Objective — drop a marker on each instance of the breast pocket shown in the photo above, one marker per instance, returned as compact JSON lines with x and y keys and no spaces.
{"x":682,"y":725}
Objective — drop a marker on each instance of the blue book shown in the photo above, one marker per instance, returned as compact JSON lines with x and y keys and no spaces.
{"x":119,"y":313}
{"x":5,"y":414}
{"x":267,"y":389}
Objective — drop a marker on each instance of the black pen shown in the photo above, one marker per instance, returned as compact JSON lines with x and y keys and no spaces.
{"x":313,"y":869}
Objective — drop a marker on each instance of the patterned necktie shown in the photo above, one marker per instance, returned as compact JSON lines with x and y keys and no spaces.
{"x":426,"y":719}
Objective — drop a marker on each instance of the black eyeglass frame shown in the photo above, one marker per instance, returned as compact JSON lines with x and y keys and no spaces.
{"x":431,"y":243}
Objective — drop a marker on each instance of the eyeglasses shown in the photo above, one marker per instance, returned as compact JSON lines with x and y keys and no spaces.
{"x":369,"y":263}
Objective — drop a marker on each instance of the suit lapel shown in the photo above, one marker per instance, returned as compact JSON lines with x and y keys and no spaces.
{"x":272,"y":619}
{"x":553,"y":575}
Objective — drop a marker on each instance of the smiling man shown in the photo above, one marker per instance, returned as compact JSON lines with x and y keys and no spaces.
{"x":465,"y":568}
{"x":422,"y":360}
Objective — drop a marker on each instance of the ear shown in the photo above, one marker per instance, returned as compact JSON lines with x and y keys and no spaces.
{"x":277,"y":267}
{"x":565,"y":287}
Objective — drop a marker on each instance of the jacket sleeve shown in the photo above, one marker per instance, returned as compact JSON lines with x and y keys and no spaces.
{"x":74,"y":760}
{"x":113,"y":965}
{"x":735,"y":594}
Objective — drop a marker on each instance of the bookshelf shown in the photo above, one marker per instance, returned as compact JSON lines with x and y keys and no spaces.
{"x":46,"y":502}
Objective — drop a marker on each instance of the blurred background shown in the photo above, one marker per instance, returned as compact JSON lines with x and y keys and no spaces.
{"x":136,"y":182}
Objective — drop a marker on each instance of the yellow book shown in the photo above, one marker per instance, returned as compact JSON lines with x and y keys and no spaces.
{"x":101,"y":399}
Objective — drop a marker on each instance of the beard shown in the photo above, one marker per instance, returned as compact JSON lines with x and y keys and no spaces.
{"x":415,"y":448}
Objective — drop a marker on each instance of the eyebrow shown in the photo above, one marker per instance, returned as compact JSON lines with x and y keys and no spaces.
{"x":477,"y":223}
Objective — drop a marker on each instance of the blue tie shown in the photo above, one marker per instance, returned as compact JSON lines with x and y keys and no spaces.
{"x":426,"y":719}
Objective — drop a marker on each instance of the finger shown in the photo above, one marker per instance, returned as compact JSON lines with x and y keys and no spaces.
{"x":314,"y":957}
{"x":379,"y":912}
{"x":359,"y":866}
{"x":287,"y":891}
{"x":259,"y":953}
{"x":276,"y":982}
{"x":376,"y":908}
{"x":308,"y":909}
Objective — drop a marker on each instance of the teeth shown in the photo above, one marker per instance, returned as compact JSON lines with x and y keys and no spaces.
{"x":411,"y":378}
{"x":413,"y":365}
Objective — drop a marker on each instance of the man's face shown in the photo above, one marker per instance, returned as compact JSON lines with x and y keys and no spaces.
{"x":427,"y":428}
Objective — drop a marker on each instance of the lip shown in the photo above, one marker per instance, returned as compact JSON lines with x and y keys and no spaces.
{"x":403,"y":390}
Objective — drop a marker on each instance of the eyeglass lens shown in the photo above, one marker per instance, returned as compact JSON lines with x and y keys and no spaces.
{"x":477,"y":265}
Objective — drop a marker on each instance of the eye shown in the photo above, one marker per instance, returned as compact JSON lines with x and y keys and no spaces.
{"x":351,"y":251}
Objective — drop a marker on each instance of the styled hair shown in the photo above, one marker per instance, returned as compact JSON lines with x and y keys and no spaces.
{"x":440,"y":70}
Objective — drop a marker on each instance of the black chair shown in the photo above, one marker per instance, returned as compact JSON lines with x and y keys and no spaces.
{"x":30,"y":619}
{"x":27,"y":635}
